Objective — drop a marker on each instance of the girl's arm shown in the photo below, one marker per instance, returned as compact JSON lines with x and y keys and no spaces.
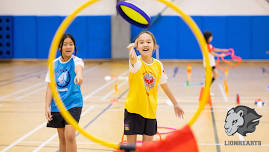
{"x":178,"y":111}
{"x":220,"y":50}
{"x":218,"y":55}
{"x":79,"y":72}
{"x":132,"y":54}
{"x":47,"y":104}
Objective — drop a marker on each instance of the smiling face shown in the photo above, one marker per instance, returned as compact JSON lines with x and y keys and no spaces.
{"x":146,"y":44}
{"x":68,"y":48}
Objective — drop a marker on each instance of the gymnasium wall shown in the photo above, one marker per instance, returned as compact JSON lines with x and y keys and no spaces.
{"x":239,"y":24}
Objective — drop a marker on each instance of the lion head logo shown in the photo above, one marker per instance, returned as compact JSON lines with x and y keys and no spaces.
{"x":149,"y":81}
{"x":241,"y":119}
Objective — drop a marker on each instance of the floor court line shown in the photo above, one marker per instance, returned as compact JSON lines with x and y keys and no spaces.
{"x":29,"y":133}
{"x":30,"y":93}
{"x":36,"y":85}
{"x":215,"y":128}
{"x":100,"y":113}
{"x":87,"y":97}
{"x":23,"y":137}
{"x":20,"y":80}
{"x":55,"y":135}
{"x":112,"y":91}
{"x":87,"y":125}
{"x":104,"y":86}
{"x":21,"y":90}
{"x":93,"y":143}
{"x":33,"y":92}
{"x":222,"y":92}
{"x":34,"y":72}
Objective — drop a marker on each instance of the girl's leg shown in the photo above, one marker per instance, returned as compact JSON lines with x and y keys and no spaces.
{"x":62,"y":143}
{"x":147,"y":138}
{"x":70,"y":138}
{"x":131,"y":139}
{"x":215,"y":75}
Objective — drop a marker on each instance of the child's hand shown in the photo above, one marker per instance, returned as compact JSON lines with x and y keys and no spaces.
{"x":178,"y":111}
{"x":78,"y":79}
{"x":131,"y":46}
{"x":132,"y":53}
{"x":48,"y":114}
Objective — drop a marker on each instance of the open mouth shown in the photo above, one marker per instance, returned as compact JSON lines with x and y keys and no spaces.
{"x":145,"y":49}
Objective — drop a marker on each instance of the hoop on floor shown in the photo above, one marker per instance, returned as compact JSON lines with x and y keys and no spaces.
{"x":62,"y":28}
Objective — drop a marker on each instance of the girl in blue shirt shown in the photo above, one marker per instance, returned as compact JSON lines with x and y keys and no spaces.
{"x":68,"y":74}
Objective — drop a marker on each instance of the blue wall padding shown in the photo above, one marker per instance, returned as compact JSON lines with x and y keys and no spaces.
{"x":260,"y":37}
{"x":247,"y":35}
{"x":31,"y":36}
{"x":46,"y":28}
{"x":99,"y":34}
{"x":188,"y":45}
{"x":239,"y":35}
{"x":25,"y":41}
{"x":6,"y":37}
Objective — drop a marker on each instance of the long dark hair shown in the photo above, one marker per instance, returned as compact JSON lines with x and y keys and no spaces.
{"x":207,"y":35}
{"x":66,"y":35}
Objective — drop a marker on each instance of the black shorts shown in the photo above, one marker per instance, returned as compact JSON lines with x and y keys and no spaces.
{"x":136,"y":124}
{"x":59,"y":122}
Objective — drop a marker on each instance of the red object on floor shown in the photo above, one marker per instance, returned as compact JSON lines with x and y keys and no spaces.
{"x":237,"y":99}
{"x":181,"y":140}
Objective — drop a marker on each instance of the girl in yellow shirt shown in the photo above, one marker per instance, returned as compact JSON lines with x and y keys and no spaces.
{"x":145,"y":74}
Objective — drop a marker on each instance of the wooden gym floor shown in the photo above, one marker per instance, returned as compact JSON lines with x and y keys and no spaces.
{"x":22,"y":98}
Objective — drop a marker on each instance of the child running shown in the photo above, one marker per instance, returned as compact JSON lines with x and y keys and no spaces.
{"x":212,"y":53}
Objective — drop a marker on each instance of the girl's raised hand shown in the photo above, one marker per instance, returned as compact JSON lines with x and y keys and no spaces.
{"x":132,"y":54}
{"x":131,"y":46}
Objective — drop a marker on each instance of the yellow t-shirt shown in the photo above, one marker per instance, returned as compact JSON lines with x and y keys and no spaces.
{"x":143,"y":87}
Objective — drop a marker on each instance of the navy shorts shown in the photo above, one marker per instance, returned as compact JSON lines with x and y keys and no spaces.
{"x":136,"y":124}
{"x":59,"y":122}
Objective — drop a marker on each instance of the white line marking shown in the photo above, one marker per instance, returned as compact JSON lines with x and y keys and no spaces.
{"x":30,"y":93}
{"x":21,"y":90}
{"x":102,"y":87}
{"x":44,"y":143}
{"x":222,"y":92}
{"x":55,"y":135}
{"x":112,"y":91}
{"x":25,"y":136}
{"x":42,"y":125}
{"x":36,"y":85}
{"x":84,"y":113}
{"x":209,"y":144}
